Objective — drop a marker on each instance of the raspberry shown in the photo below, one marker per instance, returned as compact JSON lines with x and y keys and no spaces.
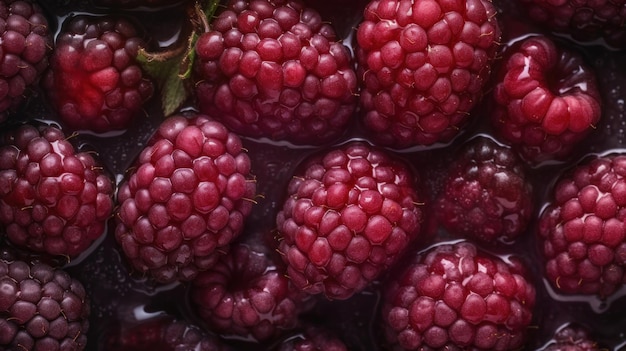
{"x":52,"y":199}
{"x":486,"y":195}
{"x":162,"y":334}
{"x":246,"y":295}
{"x":582,"y":230}
{"x":424,"y":65}
{"x":313,"y":339}
{"x":185,"y":200}
{"x":583,"y":20}
{"x":347,"y":217}
{"x":41,"y":308}
{"x":273,"y":68}
{"x":546,"y":99}
{"x":572,"y":337}
{"x":94,"y":81}
{"x":454,"y":297}
{"x":26,"y":43}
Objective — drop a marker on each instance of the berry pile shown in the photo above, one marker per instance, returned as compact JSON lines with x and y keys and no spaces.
{"x":300,"y":175}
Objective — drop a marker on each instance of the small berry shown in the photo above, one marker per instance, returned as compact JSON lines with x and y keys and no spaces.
{"x":486,"y":195}
{"x":582,"y":232}
{"x":424,"y":65}
{"x":52,"y":199}
{"x":546,"y":99}
{"x":348,"y":216}
{"x":41,"y":308}
{"x":26,"y":44}
{"x":95,"y":82}
{"x":454,"y":297}
{"x":274,"y":68}
{"x":185,"y":199}
{"x":246,"y":295}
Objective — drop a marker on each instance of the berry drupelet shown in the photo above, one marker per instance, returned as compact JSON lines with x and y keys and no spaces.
{"x":546,"y":99}
{"x":274,"y":68}
{"x":348,"y":215}
{"x":454,"y":297}
{"x":53,"y":199}
{"x":424,"y":65}
{"x":185,"y":199}
{"x":486,"y":195}
{"x":582,"y":232}
{"x":94,"y":82}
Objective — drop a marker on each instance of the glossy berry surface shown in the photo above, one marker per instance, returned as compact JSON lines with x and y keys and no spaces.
{"x":347,"y":217}
{"x":41,"y":308}
{"x":313,"y":339}
{"x":26,"y":41}
{"x":423,"y":65}
{"x":487,"y":196}
{"x":245,"y":294}
{"x":584,"y":20}
{"x":582,"y":231}
{"x":53,"y":198}
{"x":275,"y":69}
{"x":185,"y":200}
{"x":546,"y":98}
{"x":455,"y":297}
{"x":95,"y":82}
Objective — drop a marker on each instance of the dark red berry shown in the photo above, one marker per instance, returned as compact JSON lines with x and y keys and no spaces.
{"x":313,"y":339}
{"x":348,"y":215}
{"x":582,"y":232}
{"x":53,"y":199}
{"x":572,"y":337}
{"x":26,"y":43}
{"x":185,"y":199}
{"x":546,"y":99}
{"x":274,"y":68}
{"x":424,"y":65}
{"x":486,"y":195}
{"x":95,"y":82}
{"x":41,"y":308}
{"x":246,"y":295}
{"x":584,"y":20}
{"x":454,"y":297}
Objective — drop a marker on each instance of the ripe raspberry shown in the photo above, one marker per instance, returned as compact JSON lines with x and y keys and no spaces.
{"x":52,"y":199}
{"x":572,"y":338}
{"x":162,"y":334}
{"x":424,"y":65}
{"x":26,"y":43}
{"x":453,"y":297}
{"x":95,"y":82}
{"x":582,"y":230}
{"x":246,"y":295}
{"x":546,"y":99}
{"x":584,"y":20}
{"x":346,"y":219}
{"x":185,"y":200}
{"x":41,"y":308}
{"x":486,"y":195}
{"x":273,"y":68}
{"x":313,"y":339}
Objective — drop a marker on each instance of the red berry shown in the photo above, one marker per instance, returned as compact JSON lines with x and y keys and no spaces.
{"x":52,"y":199}
{"x":274,"y":68}
{"x":582,"y":231}
{"x":246,"y":295}
{"x":424,"y":65}
{"x":185,"y":200}
{"x":547,"y":99}
{"x":42,"y":308}
{"x":95,"y":82}
{"x":486,"y":195}
{"x":454,"y":297}
{"x":347,"y":217}
{"x":26,"y":42}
